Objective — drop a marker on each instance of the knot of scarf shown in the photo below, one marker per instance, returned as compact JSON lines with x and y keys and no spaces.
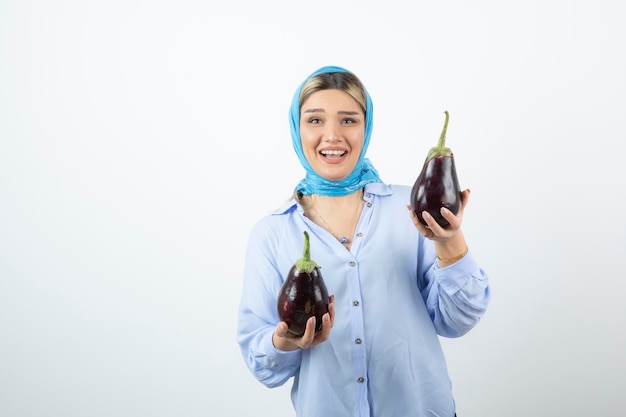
{"x":363,"y":173}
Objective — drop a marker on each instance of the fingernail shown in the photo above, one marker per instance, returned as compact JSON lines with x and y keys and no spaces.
{"x":426,"y":215}
{"x":444,"y":210}
{"x":327,"y":318}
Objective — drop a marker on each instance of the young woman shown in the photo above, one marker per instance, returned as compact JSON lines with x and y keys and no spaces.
{"x":395,"y":284}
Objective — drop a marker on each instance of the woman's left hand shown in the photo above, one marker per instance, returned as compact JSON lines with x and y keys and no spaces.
{"x":432,"y":230}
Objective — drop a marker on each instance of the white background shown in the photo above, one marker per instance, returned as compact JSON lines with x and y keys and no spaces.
{"x":140,"y":140}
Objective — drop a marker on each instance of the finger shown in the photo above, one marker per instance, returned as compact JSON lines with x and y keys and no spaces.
{"x":421,"y":227}
{"x":327,"y":324}
{"x":331,"y":310}
{"x":455,"y":221}
{"x":309,"y":333}
{"x":465,"y":198}
{"x":413,"y":217}
{"x":324,"y":333}
{"x":432,"y":225}
{"x":282,"y":329}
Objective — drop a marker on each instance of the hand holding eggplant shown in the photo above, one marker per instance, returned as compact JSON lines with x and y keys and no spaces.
{"x":433,"y":230}
{"x":450,"y":244}
{"x":283,"y":339}
{"x":303,"y":304}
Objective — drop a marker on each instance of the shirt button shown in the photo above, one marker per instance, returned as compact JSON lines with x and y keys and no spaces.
{"x":369,"y":204}
{"x":368,"y":196}
{"x":361,"y":379}
{"x":357,"y":341}
{"x":359,"y":234}
{"x":352,"y":263}
{"x":355,"y":303}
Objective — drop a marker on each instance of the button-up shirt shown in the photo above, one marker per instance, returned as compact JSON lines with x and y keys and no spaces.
{"x":392,"y":302}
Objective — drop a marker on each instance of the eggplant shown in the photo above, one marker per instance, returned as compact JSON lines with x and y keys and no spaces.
{"x":437,"y":185}
{"x":303,"y":294}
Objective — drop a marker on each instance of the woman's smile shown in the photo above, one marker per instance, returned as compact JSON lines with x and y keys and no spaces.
{"x":334,"y":156}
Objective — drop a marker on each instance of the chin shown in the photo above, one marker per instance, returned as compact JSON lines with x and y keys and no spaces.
{"x":332,"y":176}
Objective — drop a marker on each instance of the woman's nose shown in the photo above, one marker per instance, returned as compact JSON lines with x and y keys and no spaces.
{"x":331,"y":135}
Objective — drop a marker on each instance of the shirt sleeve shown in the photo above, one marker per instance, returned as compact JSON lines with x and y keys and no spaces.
{"x":456,"y":296}
{"x":258,"y":316}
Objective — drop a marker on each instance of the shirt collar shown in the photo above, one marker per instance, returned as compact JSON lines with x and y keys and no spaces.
{"x":374,"y":188}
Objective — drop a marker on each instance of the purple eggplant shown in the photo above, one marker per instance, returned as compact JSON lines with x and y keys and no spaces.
{"x":303,"y":294}
{"x":437,"y":185}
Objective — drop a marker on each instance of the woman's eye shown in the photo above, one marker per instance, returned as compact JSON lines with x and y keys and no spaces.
{"x":349,"y":121}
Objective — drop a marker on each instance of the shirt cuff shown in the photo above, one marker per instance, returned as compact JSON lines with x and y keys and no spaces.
{"x":277,"y":358}
{"x":453,"y":277}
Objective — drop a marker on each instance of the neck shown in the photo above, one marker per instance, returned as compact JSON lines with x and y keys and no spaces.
{"x":339,"y":215}
{"x":336,"y":202}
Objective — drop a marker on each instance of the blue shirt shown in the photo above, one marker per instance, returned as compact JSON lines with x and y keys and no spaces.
{"x":392,"y":301}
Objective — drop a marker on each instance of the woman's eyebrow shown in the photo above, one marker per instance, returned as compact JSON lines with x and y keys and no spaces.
{"x":313,"y":110}
{"x":348,"y":112}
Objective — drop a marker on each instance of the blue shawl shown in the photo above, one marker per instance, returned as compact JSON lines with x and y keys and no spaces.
{"x":363,"y":173}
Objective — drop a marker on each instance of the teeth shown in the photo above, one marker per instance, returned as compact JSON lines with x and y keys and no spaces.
{"x":333,"y":152}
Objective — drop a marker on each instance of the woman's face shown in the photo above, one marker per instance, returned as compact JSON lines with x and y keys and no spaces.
{"x":332,"y":127}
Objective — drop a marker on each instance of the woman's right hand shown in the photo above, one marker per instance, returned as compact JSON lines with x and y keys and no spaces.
{"x":286,"y":341}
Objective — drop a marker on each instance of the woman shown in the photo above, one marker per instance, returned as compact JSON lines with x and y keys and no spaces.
{"x":395,"y":284}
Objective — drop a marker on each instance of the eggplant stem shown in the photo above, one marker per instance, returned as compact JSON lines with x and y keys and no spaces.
{"x":440,"y":149}
{"x":305,"y":264}
{"x":442,"y":138}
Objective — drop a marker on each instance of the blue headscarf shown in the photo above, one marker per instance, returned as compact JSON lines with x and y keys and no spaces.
{"x":363,"y":173}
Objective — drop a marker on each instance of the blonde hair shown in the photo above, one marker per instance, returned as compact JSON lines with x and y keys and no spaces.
{"x":306,"y":202}
{"x":343,"y":81}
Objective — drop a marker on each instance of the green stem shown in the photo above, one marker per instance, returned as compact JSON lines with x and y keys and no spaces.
{"x":305,"y":264}
{"x":440,"y":149}
{"x":442,"y":139}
